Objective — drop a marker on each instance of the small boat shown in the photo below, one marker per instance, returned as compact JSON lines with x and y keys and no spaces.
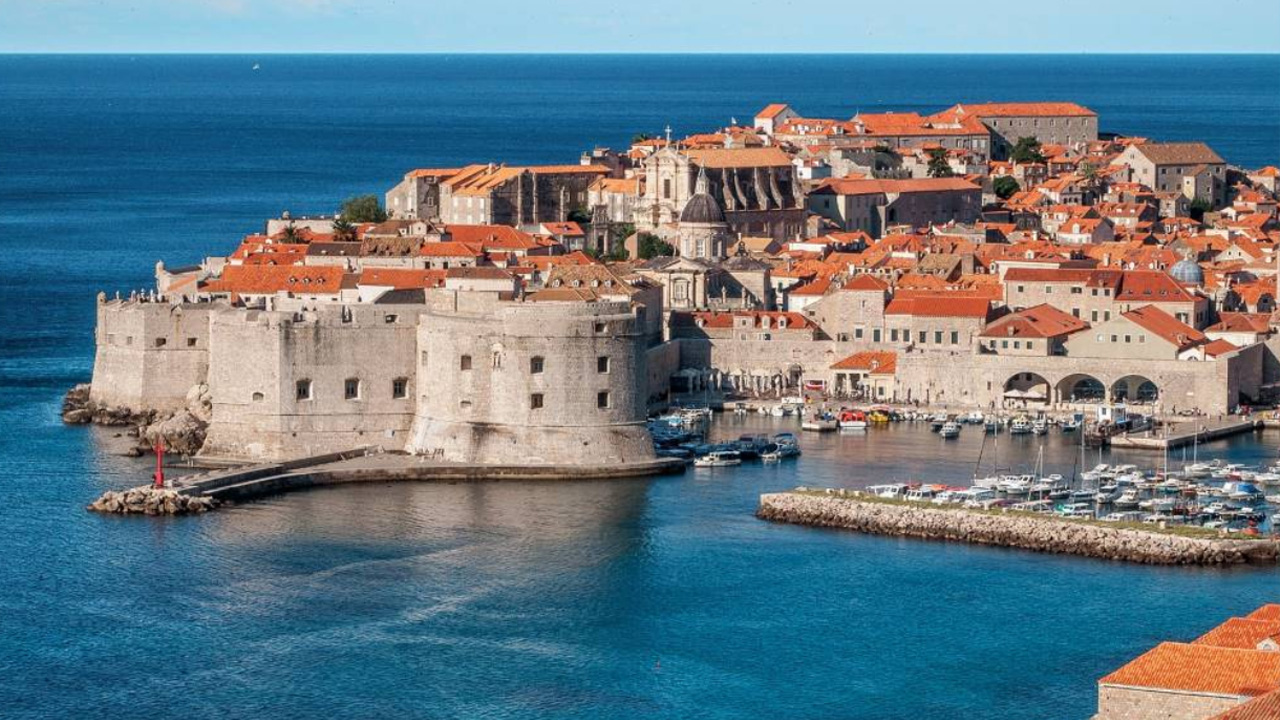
{"x":820,"y":422}
{"x":991,"y":426}
{"x":721,"y":458}
{"x":853,"y":420}
{"x":771,"y":456}
{"x":1073,"y":423}
{"x":1040,"y":427}
{"x":1019,"y":426}
{"x":1127,"y":500}
{"x":1201,"y":469}
{"x":895,"y":491}
{"x":878,"y":417}
{"x":949,"y":430}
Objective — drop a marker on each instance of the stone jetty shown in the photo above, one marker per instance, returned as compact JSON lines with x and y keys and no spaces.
{"x":854,"y":511}
{"x":148,"y":500}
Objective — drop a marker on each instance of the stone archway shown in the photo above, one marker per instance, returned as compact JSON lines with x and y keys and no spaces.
{"x":1026,"y":389}
{"x":1081,"y":388}
{"x":1136,"y":389}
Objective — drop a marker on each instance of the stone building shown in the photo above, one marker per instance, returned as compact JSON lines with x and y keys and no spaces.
{"x":1192,"y":169}
{"x":756,"y":188}
{"x":872,"y":206}
{"x":494,"y":194}
{"x":1056,"y":123}
{"x":531,"y":383}
{"x":149,"y":353}
{"x":703,"y":231}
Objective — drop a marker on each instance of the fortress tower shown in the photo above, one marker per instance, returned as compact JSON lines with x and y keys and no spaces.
{"x":530,"y":383}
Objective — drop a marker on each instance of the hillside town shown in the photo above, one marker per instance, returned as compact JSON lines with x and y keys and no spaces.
{"x":1005,"y":256}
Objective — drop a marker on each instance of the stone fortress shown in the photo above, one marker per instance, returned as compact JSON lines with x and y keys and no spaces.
{"x":477,"y":324}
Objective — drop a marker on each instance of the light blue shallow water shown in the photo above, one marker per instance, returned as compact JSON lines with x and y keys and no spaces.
{"x":661,"y":598}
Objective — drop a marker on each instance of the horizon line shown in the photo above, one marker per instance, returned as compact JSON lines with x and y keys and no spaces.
{"x":278,"y":53}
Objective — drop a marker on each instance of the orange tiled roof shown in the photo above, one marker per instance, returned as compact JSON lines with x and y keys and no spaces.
{"x":270,"y":279}
{"x":771,"y":110}
{"x":1041,"y":321}
{"x":1201,"y":668}
{"x":866,"y":282}
{"x":841,"y":186}
{"x":1025,"y":109}
{"x":1166,"y":326}
{"x":875,"y":361}
{"x":940,"y":304}
{"x":402,"y":278}
{"x":740,"y":157}
{"x":1239,"y":633}
{"x":1269,"y":612}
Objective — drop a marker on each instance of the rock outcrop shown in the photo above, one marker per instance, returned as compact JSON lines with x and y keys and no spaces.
{"x":183,"y":431}
{"x":849,"y":510}
{"x":148,"y":500}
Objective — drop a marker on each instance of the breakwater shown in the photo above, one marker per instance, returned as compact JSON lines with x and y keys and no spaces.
{"x":853,"y":511}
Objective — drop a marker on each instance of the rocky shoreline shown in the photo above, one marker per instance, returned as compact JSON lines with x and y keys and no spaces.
{"x":183,"y":431}
{"x":852,"y":511}
{"x":148,"y":500}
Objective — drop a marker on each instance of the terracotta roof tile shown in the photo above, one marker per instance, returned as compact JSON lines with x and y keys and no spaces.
{"x":1201,"y":668}
{"x":877,"y":362}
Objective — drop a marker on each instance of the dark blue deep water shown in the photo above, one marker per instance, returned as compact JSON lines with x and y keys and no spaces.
{"x":661,"y":599}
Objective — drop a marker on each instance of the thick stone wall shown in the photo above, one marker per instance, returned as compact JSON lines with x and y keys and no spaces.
{"x":258,"y":359}
{"x":661,"y":363}
{"x":149,"y":354}
{"x":1132,"y":703}
{"x":531,"y":383}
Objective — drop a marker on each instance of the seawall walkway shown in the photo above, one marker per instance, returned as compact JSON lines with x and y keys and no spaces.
{"x":205,"y":491}
{"x":1140,"y":544}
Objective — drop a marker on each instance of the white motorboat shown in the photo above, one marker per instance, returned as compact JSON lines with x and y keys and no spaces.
{"x":949,"y":430}
{"x":1040,"y":427}
{"x":1019,"y":426}
{"x":894,"y":491}
{"x":820,"y":423}
{"x":1015,"y":484}
{"x":719,"y":458}
{"x":1127,"y":500}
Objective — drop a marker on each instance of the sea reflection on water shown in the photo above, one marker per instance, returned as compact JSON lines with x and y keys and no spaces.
{"x":658,"y":598}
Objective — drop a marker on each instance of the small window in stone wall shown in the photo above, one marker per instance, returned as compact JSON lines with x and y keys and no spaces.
{"x":303,"y":391}
{"x":601,"y":327}
{"x":351,"y":389}
{"x":536,"y":365}
{"x":258,"y":397}
{"x":191,"y":342}
{"x":602,"y":364}
{"x":602,"y":399}
{"x":535,"y":401}
{"x":400,"y":388}
{"x":424,"y":358}
{"x":465,"y":362}
{"x":390,"y":319}
{"x":465,"y":404}
{"x":160,"y":342}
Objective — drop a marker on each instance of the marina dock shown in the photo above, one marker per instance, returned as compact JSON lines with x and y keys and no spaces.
{"x":1195,"y":432}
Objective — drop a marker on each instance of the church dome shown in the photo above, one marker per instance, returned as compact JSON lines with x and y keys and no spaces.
{"x":1187,"y":272}
{"x":702,"y":208}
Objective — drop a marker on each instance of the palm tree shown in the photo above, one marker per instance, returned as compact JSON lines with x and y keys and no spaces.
{"x":291,"y":234}
{"x":343,"y":230}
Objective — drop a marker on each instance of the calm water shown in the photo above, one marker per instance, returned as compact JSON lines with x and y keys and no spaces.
{"x":660,"y":598}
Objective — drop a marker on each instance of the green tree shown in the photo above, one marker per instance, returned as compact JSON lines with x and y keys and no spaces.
{"x":1089,"y":171}
{"x":363,"y":209}
{"x":1027,"y":150}
{"x":343,"y":230}
{"x":618,"y":253}
{"x":938,"y":165}
{"x":640,"y":137}
{"x":291,"y":234}
{"x":580,"y":215}
{"x":1198,"y":208}
{"x":1005,"y":186}
{"x":650,"y":246}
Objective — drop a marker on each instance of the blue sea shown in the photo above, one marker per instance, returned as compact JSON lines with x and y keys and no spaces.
{"x":647,"y":598}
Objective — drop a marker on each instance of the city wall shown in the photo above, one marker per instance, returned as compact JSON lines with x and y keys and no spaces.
{"x":149,"y":354}
{"x":531,"y":383}
{"x":280,"y":380}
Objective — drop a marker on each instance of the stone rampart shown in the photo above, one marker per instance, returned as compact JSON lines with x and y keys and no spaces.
{"x":149,"y":354}
{"x":1048,"y":534}
{"x":292,"y":384}
{"x":531,"y":382}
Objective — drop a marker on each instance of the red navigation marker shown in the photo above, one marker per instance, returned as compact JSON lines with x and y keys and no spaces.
{"x":159,"y":474}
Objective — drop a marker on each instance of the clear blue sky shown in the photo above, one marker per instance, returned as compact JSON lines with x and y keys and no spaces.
{"x":261,"y":26}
